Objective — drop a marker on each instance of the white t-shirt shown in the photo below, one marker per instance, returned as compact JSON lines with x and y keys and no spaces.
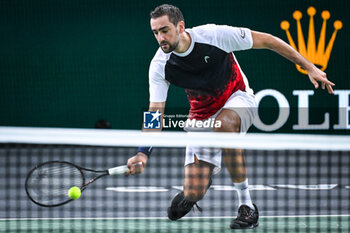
{"x":208,"y":70}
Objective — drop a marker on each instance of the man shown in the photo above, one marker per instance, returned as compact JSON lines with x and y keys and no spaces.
{"x":201,"y":61}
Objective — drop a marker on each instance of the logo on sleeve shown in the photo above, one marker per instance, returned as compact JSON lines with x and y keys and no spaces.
{"x":206,"y":58}
{"x":242,"y":33}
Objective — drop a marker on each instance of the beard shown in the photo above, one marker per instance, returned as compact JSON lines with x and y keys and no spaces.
{"x":170,"y":47}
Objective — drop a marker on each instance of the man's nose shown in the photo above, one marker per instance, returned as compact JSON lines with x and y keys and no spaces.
{"x":160,"y":37}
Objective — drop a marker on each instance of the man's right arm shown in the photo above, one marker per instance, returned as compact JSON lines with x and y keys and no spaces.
{"x":140,"y":156}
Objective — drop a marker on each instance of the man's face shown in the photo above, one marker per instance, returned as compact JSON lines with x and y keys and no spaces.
{"x":166,"y":33}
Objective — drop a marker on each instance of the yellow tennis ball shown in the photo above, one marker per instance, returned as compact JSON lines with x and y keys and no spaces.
{"x":74,"y":192}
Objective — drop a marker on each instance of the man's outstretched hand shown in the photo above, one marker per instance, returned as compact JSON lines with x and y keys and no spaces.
{"x":316,"y":75}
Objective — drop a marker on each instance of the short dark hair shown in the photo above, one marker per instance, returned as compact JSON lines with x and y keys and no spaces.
{"x":174,"y":13}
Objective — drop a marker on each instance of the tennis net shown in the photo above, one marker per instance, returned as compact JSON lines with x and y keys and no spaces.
{"x":300,"y":183}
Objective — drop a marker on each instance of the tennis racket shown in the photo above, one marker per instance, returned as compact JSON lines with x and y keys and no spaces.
{"x":48,"y":183}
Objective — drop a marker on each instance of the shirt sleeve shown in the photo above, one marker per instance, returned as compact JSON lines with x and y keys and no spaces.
{"x":233,"y":38}
{"x":158,"y":86}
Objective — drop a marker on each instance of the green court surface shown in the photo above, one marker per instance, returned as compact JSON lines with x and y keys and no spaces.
{"x":267,"y":224}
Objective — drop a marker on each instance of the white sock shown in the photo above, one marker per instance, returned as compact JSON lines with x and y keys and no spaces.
{"x":243,"y":194}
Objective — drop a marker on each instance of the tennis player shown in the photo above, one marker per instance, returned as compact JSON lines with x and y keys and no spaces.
{"x":201,"y":61}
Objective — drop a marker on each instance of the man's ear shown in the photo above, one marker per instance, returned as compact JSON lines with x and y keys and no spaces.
{"x":181,"y":26}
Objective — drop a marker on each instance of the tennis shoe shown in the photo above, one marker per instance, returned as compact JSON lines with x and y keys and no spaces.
{"x":247,"y":218}
{"x":180,"y":207}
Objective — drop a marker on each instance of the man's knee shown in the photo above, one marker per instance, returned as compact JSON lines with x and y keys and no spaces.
{"x":230,"y":121}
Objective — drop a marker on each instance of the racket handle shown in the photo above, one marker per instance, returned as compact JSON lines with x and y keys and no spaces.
{"x":121,"y":169}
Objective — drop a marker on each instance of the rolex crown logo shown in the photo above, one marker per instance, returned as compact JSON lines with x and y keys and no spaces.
{"x":320,"y":55}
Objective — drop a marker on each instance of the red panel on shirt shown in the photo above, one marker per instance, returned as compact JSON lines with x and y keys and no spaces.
{"x":204,"y":105}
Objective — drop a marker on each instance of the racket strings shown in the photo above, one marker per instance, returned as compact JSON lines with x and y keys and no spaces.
{"x":49,"y":184}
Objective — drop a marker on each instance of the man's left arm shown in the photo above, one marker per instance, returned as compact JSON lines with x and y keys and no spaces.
{"x":267,"y":41}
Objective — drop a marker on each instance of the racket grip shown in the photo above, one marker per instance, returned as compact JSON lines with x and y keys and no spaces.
{"x":121,"y":169}
{"x":118,"y":170}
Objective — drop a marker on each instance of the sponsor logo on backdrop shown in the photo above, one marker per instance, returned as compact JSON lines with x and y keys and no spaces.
{"x":315,"y":51}
{"x":303,"y":111}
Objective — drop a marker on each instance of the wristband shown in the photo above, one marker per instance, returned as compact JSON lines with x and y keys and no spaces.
{"x":146,"y":150}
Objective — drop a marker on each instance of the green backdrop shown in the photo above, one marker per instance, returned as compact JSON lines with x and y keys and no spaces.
{"x":69,"y":63}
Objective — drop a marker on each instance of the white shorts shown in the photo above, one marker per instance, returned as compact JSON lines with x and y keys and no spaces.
{"x":245,"y":106}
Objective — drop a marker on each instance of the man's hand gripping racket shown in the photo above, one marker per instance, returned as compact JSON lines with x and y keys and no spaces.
{"x":137,"y":159}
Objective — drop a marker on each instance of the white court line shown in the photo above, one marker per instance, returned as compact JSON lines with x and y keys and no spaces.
{"x":139,"y":218}
{"x":315,"y":187}
{"x":136,"y":189}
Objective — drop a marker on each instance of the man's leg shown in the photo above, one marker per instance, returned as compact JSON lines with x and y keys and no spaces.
{"x":197,"y":179}
{"x":235,"y":163}
{"x":196,"y":183}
